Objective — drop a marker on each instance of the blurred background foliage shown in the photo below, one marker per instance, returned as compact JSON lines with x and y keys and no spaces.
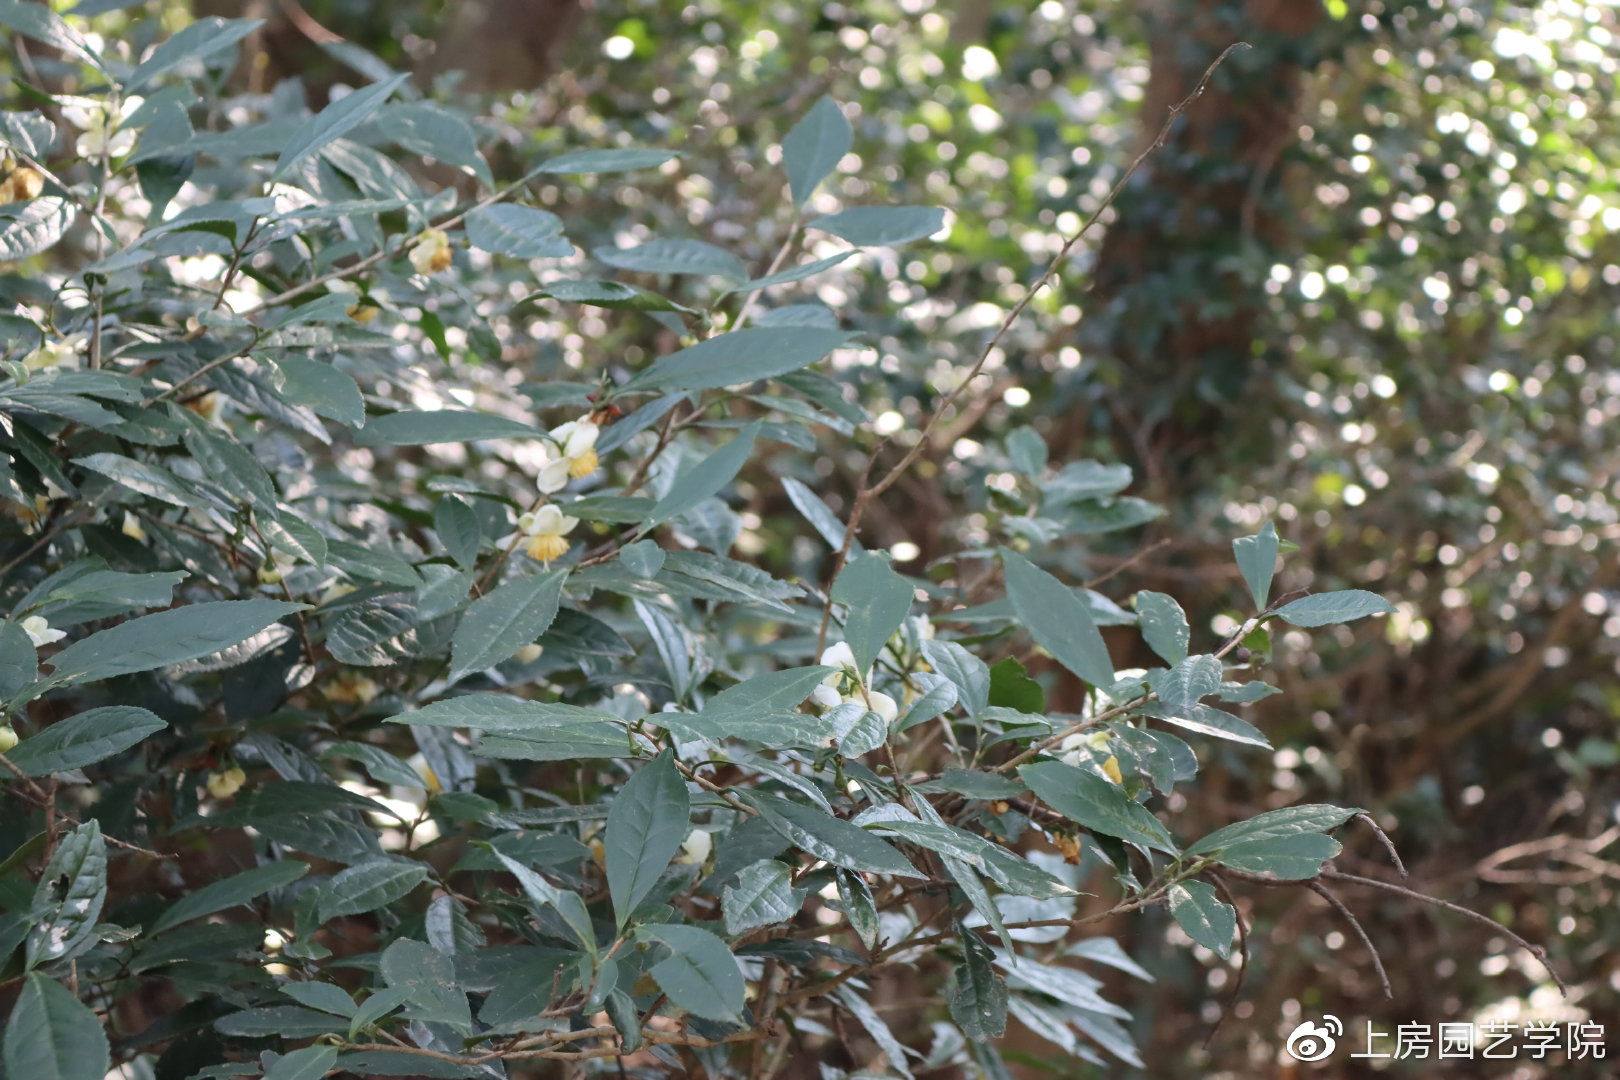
{"x":1368,"y":288}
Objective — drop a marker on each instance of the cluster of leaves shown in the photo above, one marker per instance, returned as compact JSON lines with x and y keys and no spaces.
{"x":328,"y":732}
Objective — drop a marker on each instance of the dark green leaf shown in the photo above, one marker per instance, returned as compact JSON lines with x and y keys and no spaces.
{"x":1257,"y":559}
{"x":645,"y":826}
{"x":1324,"y":609}
{"x":167,"y":637}
{"x":614,"y":295}
{"x":967,"y":673}
{"x":1057,"y":620}
{"x":202,"y":38}
{"x":675,"y":257}
{"x":1290,"y":858}
{"x":762,"y":895}
{"x":69,"y":897}
{"x":977,"y":995}
{"x":429,"y":978}
{"x":881,"y":226}
{"x":85,"y":739}
{"x":440,"y":426}
{"x":368,"y":887}
{"x":700,"y":975}
{"x":833,"y":839}
{"x":1101,"y":806}
{"x":504,"y":620}
{"x":310,"y":1063}
{"x":520,"y":232}
{"x":1206,"y":919}
{"x":606,"y":161}
{"x":334,"y":121}
{"x":321,"y":388}
{"x":1164,"y":625}
{"x":424,"y":128}
{"x":1289,"y":821}
{"x":279,"y":1021}
{"x":52,"y":1035}
{"x":1191,"y":679}
{"x":459,"y":530}
{"x":238,"y":889}
{"x":740,"y":357}
{"x":814,"y":147}
{"x":706,"y":478}
{"x":878,"y":600}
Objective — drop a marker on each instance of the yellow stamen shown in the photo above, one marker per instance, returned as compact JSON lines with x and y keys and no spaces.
{"x":546,"y":547}
{"x":583,"y":465}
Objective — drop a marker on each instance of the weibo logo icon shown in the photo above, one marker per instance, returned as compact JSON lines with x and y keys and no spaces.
{"x":1312,"y":1041}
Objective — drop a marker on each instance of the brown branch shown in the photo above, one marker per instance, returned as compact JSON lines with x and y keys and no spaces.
{"x":1243,"y":952}
{"x":1355,"y":925}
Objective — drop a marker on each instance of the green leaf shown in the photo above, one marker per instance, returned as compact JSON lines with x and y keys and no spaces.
{"x":1012,"y":688}
{"x":202,"y":38}
{"x":102,"y":593}
{"x":833,"y":839}
{"x":675,"y":257}
{"x":238,"y":889}
{"x":967,"y":673}
{"x":1289,"y":821}
{"x":819,"y":516}
{"x":232,"y":466}
{"x":501,"y":714}
{"x":1208,"y":720}
{"x":543,"y":893}
{"x":1257,"y":559}
{"x":151,"y":480}
{"x":1101,"y":806}
{"x":1291,"y":858}
{"x":742,"y":356}
{"x":614,"y":295}
{"x":502,"y":621}
{"x":1164,"y":625}
{"x":814,"y":148}
{"x":606,"y":161}
{"x":368,"y":887}
{"x":68,"y":900}
{"x":1193,"y":678}
{"x":424,"y":128}
{"x":706,"y":478}
{"x":52,"y":1035}
{"x":762,"y":895}
{"x":310,"y":1063}
{"x":1323,"y":609}
{"x":773,"y":692}
{"x":1205,"y":917}
{"x":861,"y":1009}
{"x":85,"y":739}
{"x":28,"y":133}
{"x":322,"y":389}
{"x":279,"y":1021}
{"x":645,"y":826}
{"x":1058,"y":621}
{"x":882,"y":226}
{"x":700,"y":975}
{"x":521,"y":232}
{"x":644,"y":558}
{"x":334,"y":121}
{"x":39,"y":22}
{"x":428,"y":977}
{"x":459,"y":530}
{"x":977,"y":995}
{"x":35,"y":226}
{"x":878,"y":600}
{"x":792,"y":273}
{"x":19,"y":659}
{"x":440,"y":426}
{"x":167,"y":637}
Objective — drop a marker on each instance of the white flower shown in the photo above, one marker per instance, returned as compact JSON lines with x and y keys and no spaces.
{"x":64,"y":353}
{"x":132,"y":528}
{"x":695,"y":848}
{"x":227,"y":782}
{"x":575,"y":447}
{"x":840,"y":655}
{"x":883,"y":705}
{"x":104,"y":134}
{"x":431,"y":253}
{"x":39,"y":631}
{"x":825,"y":697}
{"x":544,"y":530}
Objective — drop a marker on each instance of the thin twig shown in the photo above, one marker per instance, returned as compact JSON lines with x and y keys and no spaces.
{"x":866,"y":494}
{"x":1389,"y":845}
{"x":1243,"y":953}
{"x":1355,"y":924}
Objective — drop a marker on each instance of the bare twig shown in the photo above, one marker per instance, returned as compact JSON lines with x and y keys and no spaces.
{"x":1243,"y":953}
{"x":868,"y":492}
{"x":1355,"y":925}
{"x":1389,"y":845}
